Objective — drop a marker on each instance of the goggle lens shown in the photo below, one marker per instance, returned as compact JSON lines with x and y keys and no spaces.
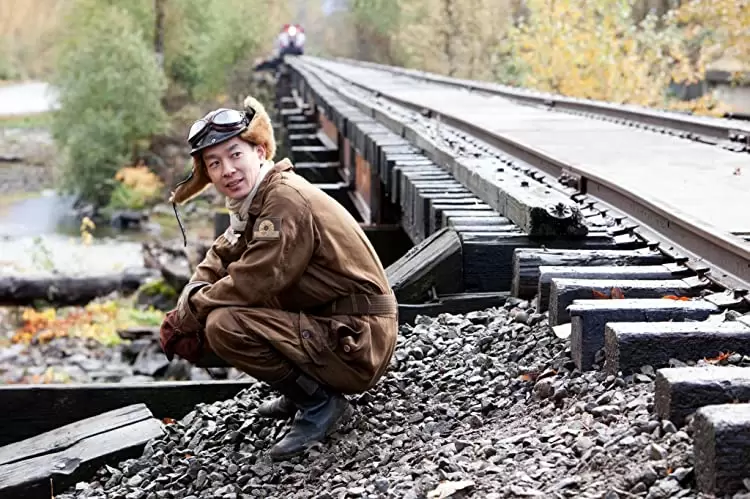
{"x":221,"y":118}
{"x":227,"y":117}
{"x":196,"y":128}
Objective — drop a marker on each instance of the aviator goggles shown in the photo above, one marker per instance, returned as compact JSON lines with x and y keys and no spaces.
{"x":221,"y":120}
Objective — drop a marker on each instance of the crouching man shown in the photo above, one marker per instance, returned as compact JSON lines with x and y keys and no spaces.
{"x":292,"y":293}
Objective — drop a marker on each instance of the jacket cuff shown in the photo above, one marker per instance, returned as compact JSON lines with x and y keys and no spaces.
{"x":186,"y":316}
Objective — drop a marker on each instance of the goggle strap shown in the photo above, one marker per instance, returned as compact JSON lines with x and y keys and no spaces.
{"x":198,"y":132}
{"x":179,"y":222}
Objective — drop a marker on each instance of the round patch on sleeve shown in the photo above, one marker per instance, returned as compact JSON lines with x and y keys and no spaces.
{"x":267,"y":229}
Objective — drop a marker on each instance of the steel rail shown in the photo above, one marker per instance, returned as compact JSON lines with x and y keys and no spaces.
{"x":705,"y":129}
{"x":701,"y":242}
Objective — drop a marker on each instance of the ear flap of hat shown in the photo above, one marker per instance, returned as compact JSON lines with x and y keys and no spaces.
{"x":260,"y":130}
{"x":193,"y":186}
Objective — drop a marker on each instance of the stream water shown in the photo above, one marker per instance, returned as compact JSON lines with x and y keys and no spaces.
{"x":40,"y":234}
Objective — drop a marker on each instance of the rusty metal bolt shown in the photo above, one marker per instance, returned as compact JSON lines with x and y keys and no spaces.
{"x":560,"y":210}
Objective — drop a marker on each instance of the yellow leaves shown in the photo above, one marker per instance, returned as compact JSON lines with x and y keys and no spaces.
{"x":719,"y":29}
{"x":588,"y":49}
{"x":87,"y":225}
{"x":138,"y":187}
{"x":99,"y":321}
{"x":141,"y":179}
{"x":706,"y":105}
{"x":29,"y":314}
{"x":592,"y":49}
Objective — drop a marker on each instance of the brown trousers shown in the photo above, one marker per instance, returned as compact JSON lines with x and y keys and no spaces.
{"x":268,"y":343}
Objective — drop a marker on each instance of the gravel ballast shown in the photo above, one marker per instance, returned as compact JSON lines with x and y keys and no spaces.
{"x":487,"y":404}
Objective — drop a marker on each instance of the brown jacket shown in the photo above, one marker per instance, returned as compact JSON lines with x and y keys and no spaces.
{"x":301,"y":250}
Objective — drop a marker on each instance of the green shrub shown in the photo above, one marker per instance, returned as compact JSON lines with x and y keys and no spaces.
{"x":206,"y":41}
{"x":110,"y":88}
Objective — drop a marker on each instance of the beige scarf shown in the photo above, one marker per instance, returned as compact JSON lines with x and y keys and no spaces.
{"x":238,"y":208}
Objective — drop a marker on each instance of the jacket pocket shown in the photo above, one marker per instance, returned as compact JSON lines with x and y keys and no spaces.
{"x":316,"y":339}
{"x":342,"y":343}
{"x":353,"y":338}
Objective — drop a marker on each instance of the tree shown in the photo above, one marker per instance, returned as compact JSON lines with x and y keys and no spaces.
{"x":205,"y":41}
{"x":592,"y":49}
{"x":716,"y":32}
{"x":110,"y":88}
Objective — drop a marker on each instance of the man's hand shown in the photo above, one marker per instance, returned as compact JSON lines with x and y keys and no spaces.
{"x":185,"y":312}
{"x":188,"y":345}
{"x":181,"y":333}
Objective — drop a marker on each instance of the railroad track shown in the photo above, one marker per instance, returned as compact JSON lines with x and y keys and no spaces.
{"x":727,"y":133}
{"x":695,"y":236}
{"x":507,"y":197}
{"x":547,"y":194}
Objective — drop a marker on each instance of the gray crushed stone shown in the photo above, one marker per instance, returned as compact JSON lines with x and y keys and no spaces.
{"x":486,"y":404}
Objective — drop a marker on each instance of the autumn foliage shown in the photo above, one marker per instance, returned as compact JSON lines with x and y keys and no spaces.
{"x":721,"y":30}
{"x":615,"y":50}
{"x":137,"y":186}
{"x":96,"y":321}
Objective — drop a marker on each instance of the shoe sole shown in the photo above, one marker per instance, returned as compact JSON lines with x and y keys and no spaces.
{"x":343,"y":417}
{"x":277,"y":415}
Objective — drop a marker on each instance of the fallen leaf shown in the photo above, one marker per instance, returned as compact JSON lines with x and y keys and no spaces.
{"x":678,"y":298}
{"x":719,"y":358}
{"x":447,"y":489}
{"x":168,"y":421}
{"x":617,"y":294}
{"x":600,"y":295}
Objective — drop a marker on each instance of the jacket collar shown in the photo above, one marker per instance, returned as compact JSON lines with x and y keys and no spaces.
{"x":282,"y":166}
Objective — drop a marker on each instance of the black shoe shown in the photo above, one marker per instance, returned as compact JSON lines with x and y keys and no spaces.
{"x":320,"y":412}
{"x":278,"y":408}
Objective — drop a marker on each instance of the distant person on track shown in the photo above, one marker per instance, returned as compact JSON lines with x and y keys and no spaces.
{"x":292,"y":293}
{"x":290,"y":41}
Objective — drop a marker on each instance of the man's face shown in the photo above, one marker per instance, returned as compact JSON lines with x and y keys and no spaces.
{"x":233,"y":166}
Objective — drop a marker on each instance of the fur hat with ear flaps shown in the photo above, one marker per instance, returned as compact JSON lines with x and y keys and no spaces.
{"x":258,"y":132}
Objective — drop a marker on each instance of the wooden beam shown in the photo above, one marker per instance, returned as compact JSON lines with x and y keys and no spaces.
{"x":589,"y":317}
{"x":537,"y":209}
{"x":66,"y":290}
{"x":390,"y":242}
{"x":45,"y":465}
{"x":526,"y":263}
{"x":680,"y":391}
{"x":318,"y":154}
{"x":324,"y":173}
{"x":721,"y":449}
{"x":630,"y":345}
{"x":40,"y":408}
{"x":434,"y":264}
{"x":488,"y":256}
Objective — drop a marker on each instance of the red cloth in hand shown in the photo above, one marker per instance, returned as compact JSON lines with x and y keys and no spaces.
{"x":188,"y":345}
